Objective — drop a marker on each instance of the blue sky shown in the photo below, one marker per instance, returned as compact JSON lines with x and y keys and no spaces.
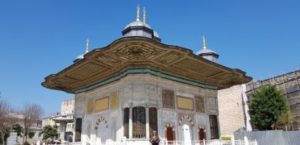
{"x":40,"y":37}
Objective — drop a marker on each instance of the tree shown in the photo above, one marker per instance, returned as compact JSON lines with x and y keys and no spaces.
{"x":18,"y":129}
{"x":5,"y":120}
{"x":32,"y":114}
{"x":266,"y":105}
{"x":49,"y":132}
{"x":31,"y":134}
{"x":286,"y":120}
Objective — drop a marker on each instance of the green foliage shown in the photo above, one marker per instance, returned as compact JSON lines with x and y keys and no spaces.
{"x":266,"y":106}
{"x":286,"y":119}
{"x":18,"y":129}
{"x":31,"y":134}
{"x":49,"y":132}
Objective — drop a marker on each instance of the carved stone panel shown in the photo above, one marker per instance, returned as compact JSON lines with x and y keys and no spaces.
{"x":90,"y":106}
{"x":199,"y":101}
{"x":185,"y":103}
{"x":168,"y":99}
{"x":212,"y":105}
{"x":101,"y":104}
{"x":114,"y":100}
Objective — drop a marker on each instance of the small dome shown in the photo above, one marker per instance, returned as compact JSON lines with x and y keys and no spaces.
{"x":137,"y":23}
{"x":206,"y":51}
{"x":140,"y":28}
{"x":155,"y":34}
{"x":80,"y":56}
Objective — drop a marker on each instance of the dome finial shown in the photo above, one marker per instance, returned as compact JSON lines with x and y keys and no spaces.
{"x":144,"y":15}
{"x":138,"y":13}
{"x":87,"y":46}
{"x":203,"y":42}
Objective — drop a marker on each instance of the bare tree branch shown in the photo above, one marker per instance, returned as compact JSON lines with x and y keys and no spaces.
{"x":32,"y":114}
{"x":5,"y":120}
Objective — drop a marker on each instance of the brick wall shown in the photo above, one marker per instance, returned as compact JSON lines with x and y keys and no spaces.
{"x":231,"y":114}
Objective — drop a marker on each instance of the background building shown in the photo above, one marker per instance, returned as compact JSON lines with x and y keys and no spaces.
{"x":233,"y":101}
{"x":289,"y":83}
{"x":63,"y":120}
{"x":35,"y":126}
{"x":231,"y":110}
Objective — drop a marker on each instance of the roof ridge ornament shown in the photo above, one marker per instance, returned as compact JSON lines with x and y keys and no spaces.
{"x":87,"y":47}
{"x":203,"y":42}
{"x":144,"y":15}
{"x":138,"y":13}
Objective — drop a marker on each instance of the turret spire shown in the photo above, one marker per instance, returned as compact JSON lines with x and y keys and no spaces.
{"x":87,"y":46}
{"x":144,"y":15}
{"x":207,"y":53}
{"x":203,"y":42}
{"x":138,"y":13}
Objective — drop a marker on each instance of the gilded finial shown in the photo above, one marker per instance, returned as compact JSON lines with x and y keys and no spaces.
{"x":144,"y":15}
{"x":138,"y":13}
{"x":87,"y":46}
{"x":203,"y":42}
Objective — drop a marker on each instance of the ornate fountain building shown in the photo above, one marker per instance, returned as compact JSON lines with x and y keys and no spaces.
{"x":137,"y":84}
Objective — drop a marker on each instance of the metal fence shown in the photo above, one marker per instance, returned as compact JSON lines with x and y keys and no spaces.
{"x":165,"y":142}
{"x":274,"y":137}
{"x":177,"y":142}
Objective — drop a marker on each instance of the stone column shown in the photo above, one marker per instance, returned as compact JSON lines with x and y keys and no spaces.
{"x":63,"y":127}
{"x":130,"y":122}
{"x":73,"y":131}
{"x":147,"y":123}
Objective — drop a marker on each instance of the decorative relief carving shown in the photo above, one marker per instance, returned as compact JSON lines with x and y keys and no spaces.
{"x":169,"y":57}
{"x":170,"y":124}
{"x":137,"y":52}
{"x":152,"y":92}
{"x":186,"y":65}
{"x":99,"y":121}
{"x":106,"y":59}
{"x":66,"y":79}
{"x":86,"y":70}
{"x":185,"y":119}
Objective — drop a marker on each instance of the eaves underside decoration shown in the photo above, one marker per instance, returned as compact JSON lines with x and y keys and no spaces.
{"x":133,"y":55}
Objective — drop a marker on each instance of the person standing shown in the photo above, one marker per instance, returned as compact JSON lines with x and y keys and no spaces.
{"x":155,"y":138}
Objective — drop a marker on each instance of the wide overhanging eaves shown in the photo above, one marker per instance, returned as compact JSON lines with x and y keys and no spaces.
{"x":139,"y":52}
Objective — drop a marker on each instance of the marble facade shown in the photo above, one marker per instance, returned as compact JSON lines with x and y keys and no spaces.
{"x":106,"y":125}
